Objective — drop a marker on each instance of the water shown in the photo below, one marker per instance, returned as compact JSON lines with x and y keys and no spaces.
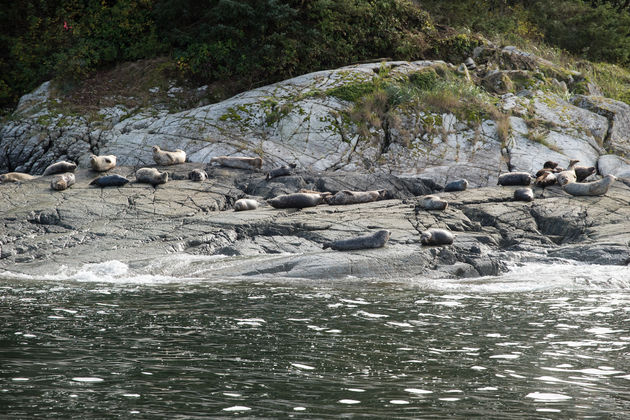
{"x":109,"y":341}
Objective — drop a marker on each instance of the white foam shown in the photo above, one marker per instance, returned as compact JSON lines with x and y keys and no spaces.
{"x":547,"y":396}
{"x":87,"y":379}
{"x":348,"y":401}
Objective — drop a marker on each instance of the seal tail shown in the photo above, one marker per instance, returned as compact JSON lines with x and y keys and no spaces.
{"x":326,"y":245}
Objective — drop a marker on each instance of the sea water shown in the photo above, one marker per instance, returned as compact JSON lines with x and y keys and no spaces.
{"x":167,"y":340}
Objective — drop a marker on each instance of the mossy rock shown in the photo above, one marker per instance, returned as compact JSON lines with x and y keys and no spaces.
{"x":498,"y":82}
{"x":455,"y":49}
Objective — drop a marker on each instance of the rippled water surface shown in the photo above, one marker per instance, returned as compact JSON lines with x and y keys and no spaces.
{"x":486,"y":348}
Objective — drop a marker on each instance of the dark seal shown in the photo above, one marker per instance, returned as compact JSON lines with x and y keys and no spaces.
{"x":459,"y":185}
{"x":376,"y":240}
{"x":515,"y":178}
{"x":110,"y":181}
{"x":524,"y":194}
{"x":281,"y":171}
{"x":437,"y":237}
{"x":296,"y":201}
{"x":60,"y":168}
{"x":197,"y":175}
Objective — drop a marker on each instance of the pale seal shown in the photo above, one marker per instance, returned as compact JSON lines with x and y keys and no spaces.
{"x":296,"y":200}
{"x":151,"y":176}
{"x":376,"y":240}
{"x":60,"y":167}
{"x":545,"y":180}
{"x":590,"y":188}
{"x":515,"y":178}
{"x":197,"y":175}
{"x":102,"y":163}
{"x":523,"y":194}
{"x":459,"y":185}
{"x":355,"y":197}
{"x":433,"y":202}
{"x":568,"y":175}
{"x":281,"y":171}
{"x":114,"y":180}
{"x":62,"y":181}
{"x":245,"y":204}
{"x":238,"y":162}
{"x":16,"y":177}
{"x":165,"y":157}
{"x":437,"y":237}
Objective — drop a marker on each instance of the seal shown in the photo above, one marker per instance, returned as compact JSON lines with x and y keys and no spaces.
{"x":568,"y":175}
{"x":523,"y":194}
{"x":165,"y":157}
{"x":376,"y":240}
{"x":197,"y":175}
{"x":355,"y":197}
{"x":245,"y":204}
{"x":16,"y":177}
{"x":437,"y":237}
{"x":62,"y":181}
{"x":590,"y":188}
{"x":459,"y":185}
{"x":583,"y":172}
{"x":545,"y":180}
{"x":281,"y":171}
{"x":515,"y":178}
{"x":60,"y":168}
{"x":433,"y":202}
{"x":151,"y":176}
{"x":114,"y":180}
{"x":102,"y":163}
{"x":238,"y":162}
{"x":296,"y":200}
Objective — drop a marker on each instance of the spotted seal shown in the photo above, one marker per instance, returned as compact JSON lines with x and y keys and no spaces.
{"x":60,"y":168}
{"x":238,"y":162}
{"x":437,"y":237}
{"x":114,"y":180}
{"x":568,"y":175}
{"x":545,"y":180}
{"x":296,"y":200}
{"x":165,"y":157}
{"x":433,"y":202}
{"x":151,"y":176}
{"x":102,"y":163}
{"x":523,"y":194}
{"x":16,"y":177}
{"x":459,"y":185}
{"x":583,"y":172}
{"x":197,"y":175}
{"x":515,"y":178}
{"x":590,"y":188}
{"x":243,"y":204}
{"x":62,"y":181}
{"x":376,"y":240}
{"x":281,"y":171}
{"x":355,"y":197}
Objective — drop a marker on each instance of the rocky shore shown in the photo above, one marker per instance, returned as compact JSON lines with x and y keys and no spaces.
{"x":43,"y":230}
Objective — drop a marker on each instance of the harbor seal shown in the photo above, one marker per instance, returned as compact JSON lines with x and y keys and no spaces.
{"x":568,"y":175}
{"x":523,"y":194}
{"x":547,"y":179}
{"x":151,"y":176}
{"x":515,"y":178}
{"x":281,"y":171}
{"x":165,"y":157}
{"x":114,"y":180}
{"x":376,"y":240}
{"x":102,"y":163}
{"x":197,"y":175}
{"x":459,"y":185}
{"x":296,"y":200}
{"x":433,"y":202}
{"x":590,"y":188}
{"x":355,"y":197}
{"x":437,"y":237}
{"x":238,"y":162}
{"x":16,"y":177}
{"x":245,"y":204}
{"x":583,"y":172}
{"x":62,"y":181}
{"x":60,"y":168}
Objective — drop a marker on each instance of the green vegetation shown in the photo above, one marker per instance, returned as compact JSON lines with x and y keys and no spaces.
{"x":234,"y":45}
